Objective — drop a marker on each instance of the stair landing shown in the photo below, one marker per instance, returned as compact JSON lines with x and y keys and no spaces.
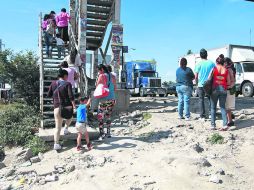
{"x":48,"y":134}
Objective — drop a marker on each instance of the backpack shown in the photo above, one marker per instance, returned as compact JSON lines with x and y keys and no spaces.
{"x":50,"y":28}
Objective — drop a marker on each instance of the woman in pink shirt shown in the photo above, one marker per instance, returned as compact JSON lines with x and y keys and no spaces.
{"x":44,"y":23}
{"x":72,"y":75}
{"x":62,"y":20}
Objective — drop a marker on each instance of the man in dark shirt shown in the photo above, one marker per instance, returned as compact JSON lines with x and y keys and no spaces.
{"x":63,"y":90}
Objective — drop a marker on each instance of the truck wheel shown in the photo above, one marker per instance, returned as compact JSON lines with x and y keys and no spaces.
{"x":142,"y":92}
{"x":247,"y":89}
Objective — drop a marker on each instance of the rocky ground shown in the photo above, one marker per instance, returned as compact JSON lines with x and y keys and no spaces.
{"x":150,"y":150}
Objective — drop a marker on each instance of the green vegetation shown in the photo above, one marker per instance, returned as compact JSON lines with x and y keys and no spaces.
{"x":37,"y":145}
{"x":216,"y":139}
{"x":189,"y":52}
{"x":168,"y":83}
{"x":17,"y":124}
{"x":21,"y":71}
{"x":147,"y":116}
{"x":17,"y":127}
{"x":20,"y":120}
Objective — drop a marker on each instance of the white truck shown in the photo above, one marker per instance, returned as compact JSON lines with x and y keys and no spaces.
{"x":243,"y":58}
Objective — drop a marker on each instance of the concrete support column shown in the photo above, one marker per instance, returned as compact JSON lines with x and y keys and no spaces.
{"x":82,"y":29}
{"x":117,"y":21}
{"x":94,"y":64}
{"x":117,"y":15}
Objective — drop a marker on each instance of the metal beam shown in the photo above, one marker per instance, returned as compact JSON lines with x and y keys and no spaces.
{"x":107,"y":46}
{"x":103,"y":57}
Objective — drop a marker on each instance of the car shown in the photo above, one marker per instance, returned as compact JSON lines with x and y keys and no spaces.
{"x":171,"y":89}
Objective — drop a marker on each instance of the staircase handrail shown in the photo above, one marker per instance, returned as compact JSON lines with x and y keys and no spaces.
{"x":83,"y":78}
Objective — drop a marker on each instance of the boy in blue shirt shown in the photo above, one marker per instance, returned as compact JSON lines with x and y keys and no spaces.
{"x":82,"y":123}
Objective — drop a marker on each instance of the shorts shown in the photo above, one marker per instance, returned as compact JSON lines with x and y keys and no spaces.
{"x":81,"y":127}
{"x":230,"y":101}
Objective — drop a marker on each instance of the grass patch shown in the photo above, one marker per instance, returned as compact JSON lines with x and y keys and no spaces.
{"x":18,"y":124}
{"x":147,"y":116}
{"x":36,"y":144}
{"x":216,"y":139}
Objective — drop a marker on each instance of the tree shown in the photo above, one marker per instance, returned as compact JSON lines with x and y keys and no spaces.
{"x":189,"y":52}
{"x":22,"y":72}
{"x":168,"y":83}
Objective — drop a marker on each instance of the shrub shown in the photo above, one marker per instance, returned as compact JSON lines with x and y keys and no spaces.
{"x":216,"y":139}
{"x":16,"y":124}
{"x":37,"y":145}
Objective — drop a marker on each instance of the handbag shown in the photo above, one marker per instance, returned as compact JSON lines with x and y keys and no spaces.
{"x":232,"y":90}
{"x":208,"y":85}
{"x":101,"y":91}
{"x":65,"y":112}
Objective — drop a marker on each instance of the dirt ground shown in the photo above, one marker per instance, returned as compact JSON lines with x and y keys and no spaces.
{"x":160,"y":153}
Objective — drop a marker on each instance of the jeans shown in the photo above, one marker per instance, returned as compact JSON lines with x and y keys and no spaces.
{"x":201,"y":95}
{"x":61,"y":50}
{"x":184,"y":94}
{"x":48,"y":38}
{"x":219,"y":93}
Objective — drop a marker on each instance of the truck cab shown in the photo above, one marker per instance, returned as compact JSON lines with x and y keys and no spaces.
{"x":143,"y":79}
{"x":244,"y":78}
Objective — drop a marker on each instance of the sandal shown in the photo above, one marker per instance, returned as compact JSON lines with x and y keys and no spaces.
{"x":89,"y":146}
{"x":79,"y":148}
{"x":224,"y":128}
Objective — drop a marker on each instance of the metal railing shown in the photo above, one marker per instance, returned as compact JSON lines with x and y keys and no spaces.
{"x":40,"y":62}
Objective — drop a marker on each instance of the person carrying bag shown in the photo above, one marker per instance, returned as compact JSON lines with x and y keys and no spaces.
{"x":105,"y":93}
{"x":64,"y":103}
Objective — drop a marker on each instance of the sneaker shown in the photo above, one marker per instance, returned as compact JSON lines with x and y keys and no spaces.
{"x":79,"y":148}
{"x":108,"y":135}
{"x":57,"y":147}
{"x":213,"y":127}
{"x":187,"y":119}
{"x":66,"y":131}
{"x":230,"y":124}
{"x":180,"y":117}
{"x":102,"y":137}
{"x":201,"y":119}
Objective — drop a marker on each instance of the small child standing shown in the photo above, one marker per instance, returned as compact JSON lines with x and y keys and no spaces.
{"x":60,"y":46}
{"x":82,"y":123}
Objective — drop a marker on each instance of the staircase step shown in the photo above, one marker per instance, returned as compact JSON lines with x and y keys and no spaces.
{"x":95,"y":34}
{"x":98,"y":9}
{"x":97,"y":16}
{"x":51,"y":66}
{"x":51,"y":69}
{"x":48,"y":134}
{"x":53,"y":58}
{"x":96,"y":28}
{"x":100,"y":3}
{"x":97,"y":22}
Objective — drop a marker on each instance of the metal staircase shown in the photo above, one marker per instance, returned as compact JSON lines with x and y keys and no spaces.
{"x":99,"y":14}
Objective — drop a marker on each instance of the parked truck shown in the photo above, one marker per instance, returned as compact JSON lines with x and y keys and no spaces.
{"x":142,"y":79}
{"x":243,"y":58}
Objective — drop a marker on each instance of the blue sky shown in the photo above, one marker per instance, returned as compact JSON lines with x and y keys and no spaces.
{"x":164,"y":30}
